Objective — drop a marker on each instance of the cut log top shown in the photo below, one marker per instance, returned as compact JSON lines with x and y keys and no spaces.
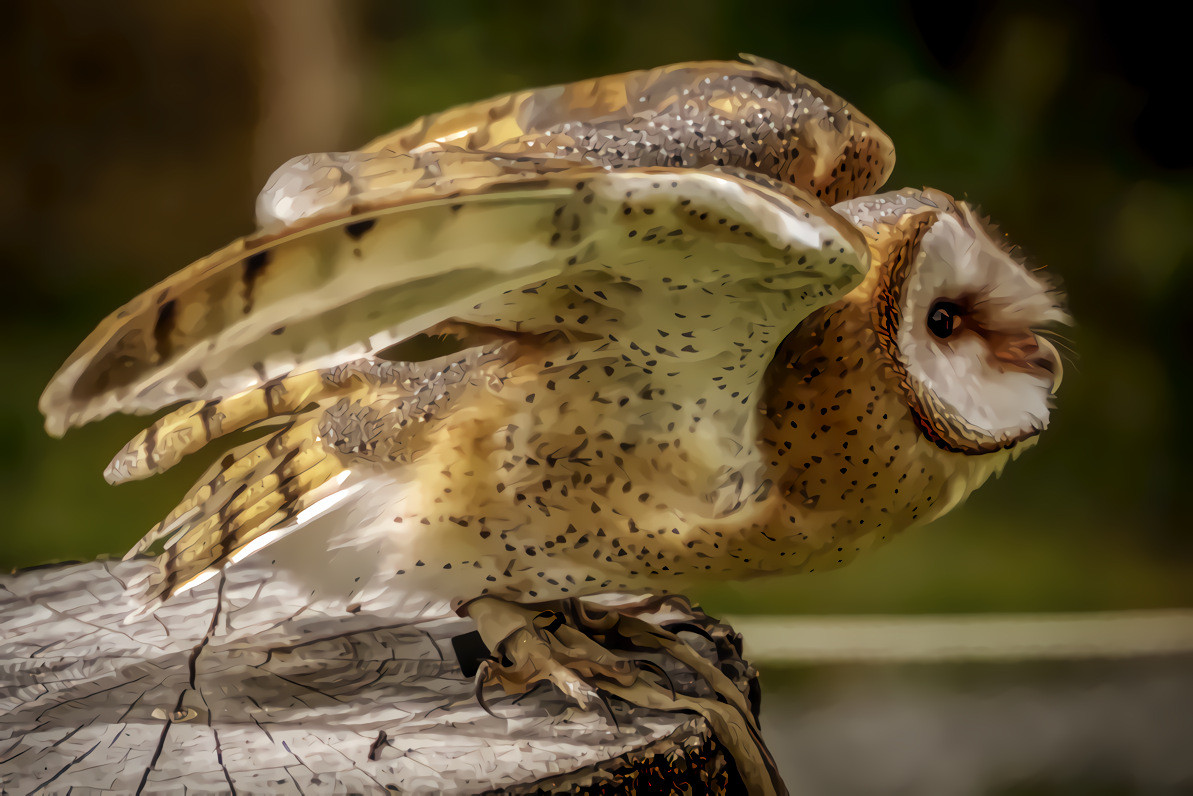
{"x":243,"y":684}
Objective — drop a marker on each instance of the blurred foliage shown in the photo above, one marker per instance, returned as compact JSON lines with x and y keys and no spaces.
{"x":131,"y":143}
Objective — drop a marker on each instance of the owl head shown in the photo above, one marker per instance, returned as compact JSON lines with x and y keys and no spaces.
{"x":959,"y":320}
{"x":887,"y":408}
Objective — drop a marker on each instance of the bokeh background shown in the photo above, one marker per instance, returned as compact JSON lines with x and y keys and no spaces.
{"x":135,"y":135}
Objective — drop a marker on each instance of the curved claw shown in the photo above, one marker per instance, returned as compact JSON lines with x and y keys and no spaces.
{"x":483,"y":672}
{"x":651,"y":666}
{"x":608,"y":711}
{"x":581,"y":653}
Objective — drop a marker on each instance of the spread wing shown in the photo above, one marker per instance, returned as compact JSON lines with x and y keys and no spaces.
{"x":758,"y":116}
{"x":684,"y":198}
{"x":245,"y":333}
{"x":462,"y":170}
{"x":464,"y":230}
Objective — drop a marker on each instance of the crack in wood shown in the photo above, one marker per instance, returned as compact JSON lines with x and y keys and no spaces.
{"x":65,"y":768}
{"x":393,"y":714}
{"x":215,"y":618}
{"x":192,"y":663}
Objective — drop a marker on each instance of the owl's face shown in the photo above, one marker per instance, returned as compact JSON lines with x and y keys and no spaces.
{"x":959,"y":320}
{"x":889,"y":407}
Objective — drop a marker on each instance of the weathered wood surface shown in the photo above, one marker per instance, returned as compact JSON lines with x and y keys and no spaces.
{"x":242,"y":685}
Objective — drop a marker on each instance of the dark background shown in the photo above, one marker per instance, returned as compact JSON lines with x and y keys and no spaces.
{"x":135,"y":135}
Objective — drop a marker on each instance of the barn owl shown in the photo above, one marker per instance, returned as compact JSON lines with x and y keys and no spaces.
{"x":629,"y":334}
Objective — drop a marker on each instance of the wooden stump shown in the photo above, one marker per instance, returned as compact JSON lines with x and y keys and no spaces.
{"x":243,"y":685}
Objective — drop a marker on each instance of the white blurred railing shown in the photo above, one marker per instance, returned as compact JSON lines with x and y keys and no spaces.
{"x":974,"y":637}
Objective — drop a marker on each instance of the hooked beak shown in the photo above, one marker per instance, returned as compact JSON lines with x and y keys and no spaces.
{"x":1028,"y":353}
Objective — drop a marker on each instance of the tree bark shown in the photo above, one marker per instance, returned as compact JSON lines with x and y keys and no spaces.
{"x":242,"y":685}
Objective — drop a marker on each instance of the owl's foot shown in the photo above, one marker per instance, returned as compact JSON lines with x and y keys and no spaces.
{"x":532,"y":644}
{"x":582,"y":650}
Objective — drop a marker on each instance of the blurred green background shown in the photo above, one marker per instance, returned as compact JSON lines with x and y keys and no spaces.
{"x":136,"y":134}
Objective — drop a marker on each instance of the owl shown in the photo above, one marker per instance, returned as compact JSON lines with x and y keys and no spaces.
{"x":629,"y":335}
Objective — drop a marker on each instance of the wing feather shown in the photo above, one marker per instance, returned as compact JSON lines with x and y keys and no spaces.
{"x":754,"y":114}
{"x":242,"y":503}
{"x":759,"y":117}
{"x":336,"y":290}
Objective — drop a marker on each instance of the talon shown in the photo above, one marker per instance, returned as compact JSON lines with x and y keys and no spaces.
{"x":582,"y":653}
{"x":609,"y":712}
{"x":651,"y":666}
{"x":483,"y":672}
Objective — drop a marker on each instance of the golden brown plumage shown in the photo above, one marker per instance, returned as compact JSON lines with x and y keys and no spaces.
{"x":660,"y":356}
{"x":539,"y":229}
{"x":760,"y":116}
{"x":420,"y":227}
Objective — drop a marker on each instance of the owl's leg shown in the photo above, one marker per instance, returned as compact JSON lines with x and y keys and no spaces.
{"x":581,"y":649}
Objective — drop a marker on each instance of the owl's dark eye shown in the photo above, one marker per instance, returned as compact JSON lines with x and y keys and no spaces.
{"x":943,"y":318}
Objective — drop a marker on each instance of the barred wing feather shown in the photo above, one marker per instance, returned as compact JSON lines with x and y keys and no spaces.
{"x":466,"y":229}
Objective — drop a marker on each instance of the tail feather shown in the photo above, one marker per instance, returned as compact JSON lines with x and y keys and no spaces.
{"x":259,"y":491}
{"x":226,"y":515}
{"x":215,"y":487}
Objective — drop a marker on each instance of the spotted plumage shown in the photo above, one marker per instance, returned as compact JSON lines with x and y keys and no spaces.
{"x":658,"y":356}
{"x":609,"y":336}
